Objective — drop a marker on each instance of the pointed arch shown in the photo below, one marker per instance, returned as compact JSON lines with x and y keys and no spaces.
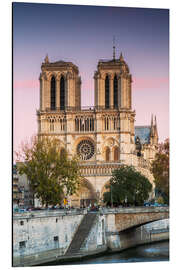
{"x":115,"y":88}
{"x":86,"y":194}
{"x":53,"y":93}
{"x":62,"y":93}
{"x":107,"y":92}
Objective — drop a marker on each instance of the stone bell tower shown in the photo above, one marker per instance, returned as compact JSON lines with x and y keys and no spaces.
{"x":113,"y":84}
{"x":113,"y":102}
{"x":60,"y":86}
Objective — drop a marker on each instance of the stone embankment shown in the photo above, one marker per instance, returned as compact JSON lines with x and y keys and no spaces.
{"x":45,"y":236}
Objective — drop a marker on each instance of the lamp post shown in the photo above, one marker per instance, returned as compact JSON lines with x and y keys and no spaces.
{"x":111,"y":198}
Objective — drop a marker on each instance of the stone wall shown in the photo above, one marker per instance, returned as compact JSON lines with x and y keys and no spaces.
{"x":97,"y":237}
{"x":42,"y":231}
{"x":45,"y":236}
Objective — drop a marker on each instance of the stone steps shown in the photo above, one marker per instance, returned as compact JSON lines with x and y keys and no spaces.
{"x":81,"y":233}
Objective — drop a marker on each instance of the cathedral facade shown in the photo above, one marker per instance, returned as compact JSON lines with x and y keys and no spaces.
{"x":104,"y":135}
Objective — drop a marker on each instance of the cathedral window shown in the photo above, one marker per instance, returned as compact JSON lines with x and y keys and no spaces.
{"x":84,"y":124}
{"x":53,"y":93}
{"x":107,"y":154}
{"x":62,"y":93}
{"x":106,"y":123}
{"x":62,"y":124}
{"x":116,"y":154}
{"x":52,"y":125}
{"x":115,"y":84}
{"x":85,"y":149}
{"x":107,"y":92}
{"x":76,"y":124}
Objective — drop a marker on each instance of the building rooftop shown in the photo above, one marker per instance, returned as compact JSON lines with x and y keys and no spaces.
{"x":143,"y":132}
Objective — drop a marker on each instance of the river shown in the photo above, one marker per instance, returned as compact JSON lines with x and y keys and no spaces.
{"x":154,"y":252}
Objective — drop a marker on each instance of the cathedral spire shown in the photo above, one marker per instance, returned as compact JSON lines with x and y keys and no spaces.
{"x":46,"y":60}
{"x":151,"y":120}
{"x":114,"y":57}
{"x":152,"y":127}
{"x":155,"y":131}
{"x":155,"y":126}
{"x":121,"y":57}
{"x":155,"y":121}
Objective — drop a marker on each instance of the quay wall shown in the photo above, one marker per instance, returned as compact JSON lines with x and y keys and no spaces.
{"x":44,"y":236}
{"x":44,"y":231}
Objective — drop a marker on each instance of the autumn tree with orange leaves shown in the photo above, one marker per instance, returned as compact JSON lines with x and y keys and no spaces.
{"x":160,"y":170}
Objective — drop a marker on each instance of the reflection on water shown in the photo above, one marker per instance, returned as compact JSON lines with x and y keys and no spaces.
{"x":146,"y":253}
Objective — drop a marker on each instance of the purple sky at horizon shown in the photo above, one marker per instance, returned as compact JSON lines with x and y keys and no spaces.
{"x":83,"y":35}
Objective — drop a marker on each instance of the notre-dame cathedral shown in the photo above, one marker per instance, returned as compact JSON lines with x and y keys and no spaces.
{"x":103,"y":135}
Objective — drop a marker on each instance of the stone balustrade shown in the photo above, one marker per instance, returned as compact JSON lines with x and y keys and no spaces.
{"x":91,"y":169}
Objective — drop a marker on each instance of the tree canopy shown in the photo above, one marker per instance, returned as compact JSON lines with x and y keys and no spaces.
{"x":127,"y":186}
{"x":52,"y":175}
{"x":160,"y":170}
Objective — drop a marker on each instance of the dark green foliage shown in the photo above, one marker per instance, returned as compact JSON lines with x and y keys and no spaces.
{"x":127,"y":186}
{"x":52,"y":174}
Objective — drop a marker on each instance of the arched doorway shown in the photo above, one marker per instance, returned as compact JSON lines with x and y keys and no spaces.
{"x":85,"y":196}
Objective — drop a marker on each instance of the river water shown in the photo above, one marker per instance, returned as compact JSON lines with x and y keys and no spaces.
{"x":147,"y":253}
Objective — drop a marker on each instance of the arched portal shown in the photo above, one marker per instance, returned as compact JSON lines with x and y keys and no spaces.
{"x":85,"y":195}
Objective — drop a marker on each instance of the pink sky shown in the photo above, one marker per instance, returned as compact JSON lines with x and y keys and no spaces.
{"x":83,"y":35}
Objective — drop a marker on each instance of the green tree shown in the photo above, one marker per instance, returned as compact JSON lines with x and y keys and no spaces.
{"x":127,"y":186}
{"x":51,"y":173}
{"x":160,"y":170}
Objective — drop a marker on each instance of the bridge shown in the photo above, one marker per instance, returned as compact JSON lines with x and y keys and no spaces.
{"x":44,"y":236}
{"x":121,"y":219}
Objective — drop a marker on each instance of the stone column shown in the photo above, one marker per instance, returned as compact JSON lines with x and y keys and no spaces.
{"x":122,"y":92}
{"x":67,"y":86}
{"x":96,"y":96}
{"x":102,"y":92}
{"x":47,"y":95}
{"x":130,"y":93}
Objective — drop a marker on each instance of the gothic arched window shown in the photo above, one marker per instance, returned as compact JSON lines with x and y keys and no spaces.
{"x":62,"y":93}
{"x":53,"y":93}
{"x":116,"y":154}
{"x":107,"y":154}
{"x":115,"y":84}
{"x":107,"y":92}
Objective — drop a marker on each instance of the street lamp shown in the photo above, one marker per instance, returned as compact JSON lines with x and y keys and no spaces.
{"x":111,"y":197}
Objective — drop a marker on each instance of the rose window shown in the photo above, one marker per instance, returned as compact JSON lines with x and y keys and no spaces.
{"x":85,"y":149}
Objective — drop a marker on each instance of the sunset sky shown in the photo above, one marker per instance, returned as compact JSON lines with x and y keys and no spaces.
{"x":83,"y":35}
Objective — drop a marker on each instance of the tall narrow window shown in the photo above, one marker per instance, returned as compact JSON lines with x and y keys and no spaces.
{"x":107,"y":92}
{"x":115,"y":84}
{"x":107,"y":153}
{"x":62,"y":93}
{"x":116,"y":154}
{"x":53,"y":93}
{"x":52,"y":125}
